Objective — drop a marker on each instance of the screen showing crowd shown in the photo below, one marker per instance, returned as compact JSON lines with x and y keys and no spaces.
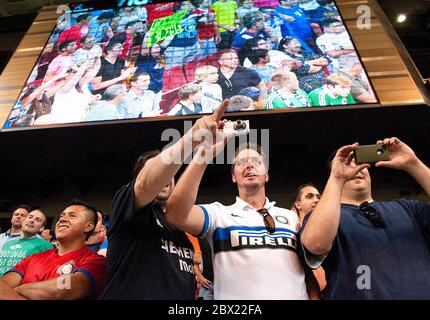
{"x":184,"y":58}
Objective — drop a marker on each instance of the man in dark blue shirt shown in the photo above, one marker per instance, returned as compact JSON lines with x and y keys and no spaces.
{"x":375,"y":250}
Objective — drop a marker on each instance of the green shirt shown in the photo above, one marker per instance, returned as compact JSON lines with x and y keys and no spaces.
{"x":320,"y":98}
{"x":298,"y":99}
{"x":14,"y":251}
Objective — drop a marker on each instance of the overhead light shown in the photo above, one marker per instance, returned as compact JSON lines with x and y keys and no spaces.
{"x":401,"y":18}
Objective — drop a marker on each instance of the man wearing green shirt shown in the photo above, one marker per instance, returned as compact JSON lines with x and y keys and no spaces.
{"x":29,"y":243}
{"x":335,"y":92}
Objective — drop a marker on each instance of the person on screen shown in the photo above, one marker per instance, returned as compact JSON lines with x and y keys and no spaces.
{"x":190,"y":96}
{"x":277,"y":57}
{"x":14,"y":251}
{"x":152,"y":62}
{"x":245,"y":6}
{"x":126,"y":38}
{"x":225,"y":17}
{"x":130,"y":14}
{"x":73,"y":99}
{"x":89,"y":50}
{"x":77,"y":31}
{"x":255,"y":245}
{"x":254,"y":28}
{"x":62,"y":63}
{"x":48,"y":54}
{"x":183,"y":47}
{"x":286,"y":93}
{"x":336,"y":44}
{"x":336,"y":91}
{"x":233,"y":77}
{"x":207,"y":77}
{"x":310,"y":74}
{"x":327,"y":10}
{"x":70,"y":272}
{"x":147,"y":257}
{"x":260,"y":60}
{"x":139,"y":102}
{"x":99,"y":27}
{"x":112,"y":68}
{"x":207,"y":30}
{"x":296,"y":23}
{"x":374,"y":250}
{"x":360,"y":87}
{"x":107,"y":107}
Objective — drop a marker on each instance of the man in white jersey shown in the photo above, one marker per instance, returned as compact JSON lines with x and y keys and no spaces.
{"x":336,"y":43}
{"x":255,"y":244}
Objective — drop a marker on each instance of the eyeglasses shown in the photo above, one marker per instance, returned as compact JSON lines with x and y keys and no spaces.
{"x":268,"y":220}
{"x":373,"y":215}
{"x":254,"y":160}
{"x":228,"y":83}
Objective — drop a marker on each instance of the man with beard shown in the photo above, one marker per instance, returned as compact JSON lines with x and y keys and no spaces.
{"x":29,"y":243}
{"x":18,"y":216}
{"x":70,"y":272}
{"x":147,"y":257}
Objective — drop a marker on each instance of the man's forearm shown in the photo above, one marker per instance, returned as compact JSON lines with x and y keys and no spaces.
{"x":184,"y":195}
{"x":9,"y":293}
{"x":323,"y":223}
{"x":165,"y":166}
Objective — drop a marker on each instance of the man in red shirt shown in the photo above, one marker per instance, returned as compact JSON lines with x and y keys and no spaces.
{"x":70,"y":272}
{"x":78,"y":31}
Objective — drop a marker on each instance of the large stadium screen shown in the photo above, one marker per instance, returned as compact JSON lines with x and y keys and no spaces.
{"x":172,"y":59}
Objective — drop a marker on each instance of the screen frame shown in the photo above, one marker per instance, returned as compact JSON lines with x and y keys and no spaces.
{"x":113,"y":4}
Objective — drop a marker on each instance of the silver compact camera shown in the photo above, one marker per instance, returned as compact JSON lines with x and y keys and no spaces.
{"x":236,"y":128}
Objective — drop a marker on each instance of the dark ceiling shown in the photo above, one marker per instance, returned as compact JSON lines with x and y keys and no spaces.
{"x":415,"y":31}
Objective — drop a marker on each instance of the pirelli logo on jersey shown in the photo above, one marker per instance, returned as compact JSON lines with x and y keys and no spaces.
{"x":238,"y":238}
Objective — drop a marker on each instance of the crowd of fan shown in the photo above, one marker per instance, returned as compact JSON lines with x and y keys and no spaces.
{"x":278,"y":54}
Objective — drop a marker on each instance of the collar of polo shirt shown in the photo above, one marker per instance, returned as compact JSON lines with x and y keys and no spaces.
{"x":243,"y":205}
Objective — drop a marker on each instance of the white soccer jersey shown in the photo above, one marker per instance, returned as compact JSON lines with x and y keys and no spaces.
{"x":250,"y":263}
{"x":333,"y":42}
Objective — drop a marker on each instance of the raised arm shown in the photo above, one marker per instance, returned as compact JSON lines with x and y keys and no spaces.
{"x":181,"y":209}
{"x":159,"y":171}
{"x":403,"y":157}
{"x":321,"y":228}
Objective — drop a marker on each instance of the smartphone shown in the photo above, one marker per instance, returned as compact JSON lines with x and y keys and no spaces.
{"x":371,"y":153}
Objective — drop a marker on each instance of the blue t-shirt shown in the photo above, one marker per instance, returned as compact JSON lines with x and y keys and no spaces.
{"x":397,"y":256}
{"x":188,"y":37}
{"x":241,"y":37}
{"x":149,"y":65}
{"x":300,"y":27}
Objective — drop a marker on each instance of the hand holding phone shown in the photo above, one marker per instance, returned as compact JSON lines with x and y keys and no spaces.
{"x":371,"y":153}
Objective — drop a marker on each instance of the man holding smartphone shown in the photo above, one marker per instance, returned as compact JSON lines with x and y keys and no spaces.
{"x":375,"y":250}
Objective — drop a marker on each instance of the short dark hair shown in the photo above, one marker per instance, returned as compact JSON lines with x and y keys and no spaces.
{"x":82,"y":17}
{"x":225,"y":51}
{"x":63,"y":45}
{"x":143,"y":158}
{"x":23,"y":206}
{"x":247,"y":146}
{"x":130,"y":23}
{"x":136,"y":76}
{"x":110,"y":45}
{"x":105,"y":15}
{"x":285,"y":41}
{"x":257,"y":54}
{"x":90,"y":208}
{"x":44,"y":214}
{"x":299,"y":191}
